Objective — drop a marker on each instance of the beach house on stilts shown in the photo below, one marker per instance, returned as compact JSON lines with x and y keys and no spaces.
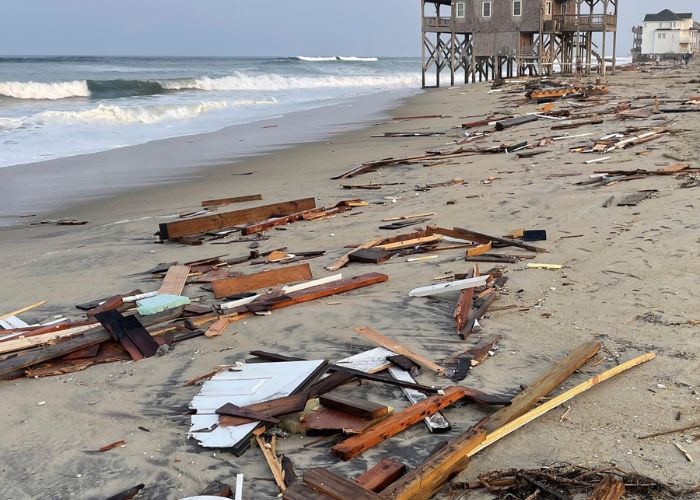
{"x":487,"y":39}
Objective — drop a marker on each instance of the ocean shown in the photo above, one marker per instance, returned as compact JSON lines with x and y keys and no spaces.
{"x":56,"y":107}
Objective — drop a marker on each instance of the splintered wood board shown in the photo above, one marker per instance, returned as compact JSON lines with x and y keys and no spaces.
{"x":249,"y":282}
{"x":216,"y":222}
{"x":227,"y":201}
{"x":174,"y":281}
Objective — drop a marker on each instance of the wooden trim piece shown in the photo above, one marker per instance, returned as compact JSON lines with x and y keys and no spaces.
{"x":335,"y":486}
{"x":249,"y":282}
{"x":216,"y":222}
{"x":46,"y":338}
{"x":398,"y":348}
{"x":271,"y":459}
{"x":345,"y":259}
{"x":398,"y":422}
{"x":175,"y":279}
{"x":23,"y":309}
{"x":464,"y":305}
{"x":381,"y":475}
{"x":218,"y":327}
{"x":227,"y":201}
{"x":478,"y":250}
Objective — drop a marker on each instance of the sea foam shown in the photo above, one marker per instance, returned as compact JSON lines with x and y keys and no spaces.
{"x":41,"y":90}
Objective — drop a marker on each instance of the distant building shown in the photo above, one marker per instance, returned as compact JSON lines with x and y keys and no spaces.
{"x":669,"y":34}
{"x":637,"y":42}
{"x":487,"y":39}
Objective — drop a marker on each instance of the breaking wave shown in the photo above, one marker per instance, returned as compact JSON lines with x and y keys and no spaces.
{"x":113,"y":114}
{"x":336,"y":58}
{"x":112,"y":89}
{"x":240,"y":81}
{"x":40,"y":90}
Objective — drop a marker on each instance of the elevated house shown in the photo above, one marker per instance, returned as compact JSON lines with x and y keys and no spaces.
{"x":488,"y":39}
{"x":669,"y":34}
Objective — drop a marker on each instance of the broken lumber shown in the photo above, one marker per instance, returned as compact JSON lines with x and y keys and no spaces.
{"x":422,"y":482}
{"x":485,"y":238}
{"x":436,"y":423}
{"x":345,"y":259}
{"x":381,"y":475}
{"x":217,"y":327}
{"x":259,"y":227}
{"x":449,"y":286}
{"x":514,"y":122}
{"x":610,"y":488}
{"x":398,"y":348}
{"x":337,"y":487}
{"x":464,"y":304}
{"x":395,"y":424}
{"x":249,"y":282}
{"x":354,"y":406}
{"x":426,"y":240}
{"x":227,"y":201}
{"x":174,"y":281}
{"x":130,"y":333}
{"x":216,"y":222}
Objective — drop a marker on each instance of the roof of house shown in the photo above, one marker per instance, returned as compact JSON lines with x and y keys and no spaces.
{"x":667,"y":15}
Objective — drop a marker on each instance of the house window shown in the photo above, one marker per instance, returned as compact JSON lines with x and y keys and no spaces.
{"x":517,"y":7}
{"x":548,"y":7}
{"x":486,"y":9}
{"x":460,"y":9}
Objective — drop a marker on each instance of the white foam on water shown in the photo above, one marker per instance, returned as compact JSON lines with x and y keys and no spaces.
{"x":42,"y":90}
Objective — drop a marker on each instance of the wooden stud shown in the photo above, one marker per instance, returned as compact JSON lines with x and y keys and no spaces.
{"x":328,"y":483}
{"x":395,"y":424}
{"x":354,"y":406}
{"x":175,"y":279}
{"x":381,"y":475}
{"x":249,"y":282}
{"x":227,"y":201}
{"x":345,"y":259}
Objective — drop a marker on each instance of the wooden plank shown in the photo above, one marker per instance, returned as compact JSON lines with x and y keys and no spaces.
{"x":464,"y":305}
{"x":480,"y":352}
{"x":130,"y":333}
{"x":300,"y":491}
{"x":425,"y":480}
{"x":398,"y":348}
{"x":249,"y":282}
{"x":370,"y":255}
{"x":395,"y":424}
{"x":273,"y":408}
{"x":411,"y":243}
{"x":672,"y":169}
{"x":22,"y":309}
{"x":218,"y":327}
{"x":336,"y":287}
{"x":227,"y":201}
{"x":517,"y":423}
{"x":422,"y":482}
{"x":485,"y":238}
{"x":633,"y":199}
{"x":21,"y":343}
{"x":478,"y":250}
{"x":259,"y":227}
{"x":175,"y":279}
{"x":335,"y":486}
{"x":216,"y":222}
{"x":524,"y":401}
{"x":345,"y":259}
{"x":354,"y":406}
{"x":436,"y":423}
{"x":381,"y":475}
{"x":232,"y":410}
{"x":329,"y":420}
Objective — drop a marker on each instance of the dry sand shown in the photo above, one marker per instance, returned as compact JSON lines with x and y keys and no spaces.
{"x":629,"y":261}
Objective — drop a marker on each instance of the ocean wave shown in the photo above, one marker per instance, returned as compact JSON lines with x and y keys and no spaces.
{"x":269,"y":82}
{"x":336,"y":58}
{"x":42,"y":90}
{"x":114,"y":114}
{"x":112,"y":89}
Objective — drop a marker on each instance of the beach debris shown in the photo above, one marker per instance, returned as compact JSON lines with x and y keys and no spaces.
{"x":635,"y":198}
{"x":228,"y":287}
{"x":540,"y":265}
{"x":228,"y":201}
{"x":111,"y":446}
{"x":61,"y":222}
{"x":448,"y":287}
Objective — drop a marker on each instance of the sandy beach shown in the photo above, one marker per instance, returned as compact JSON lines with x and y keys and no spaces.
{"x":629,"y":280}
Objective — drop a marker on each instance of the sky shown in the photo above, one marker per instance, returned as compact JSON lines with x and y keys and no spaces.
{"x":237,"y":27}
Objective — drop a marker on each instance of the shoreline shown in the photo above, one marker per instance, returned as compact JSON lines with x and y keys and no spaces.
{"x":77,"y":181}
{"x":626,"y":281}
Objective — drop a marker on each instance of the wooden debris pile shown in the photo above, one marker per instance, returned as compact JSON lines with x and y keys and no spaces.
{"x":568,"y":480}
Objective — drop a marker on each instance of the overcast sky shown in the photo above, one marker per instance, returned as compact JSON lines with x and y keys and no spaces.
{"x":235,"y":27}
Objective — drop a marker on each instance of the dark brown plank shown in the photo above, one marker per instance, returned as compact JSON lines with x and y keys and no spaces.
{"x":354,"y":406}
{"x":259,"y":227}
{"x":370,"y":255}
{"x":249,"y":282}
{"x":227,"y":201}
{"x":216,"y":222}
{"x":232,"y":410}
{"x":335,"y":486}
{"x":273,"y":408}
{"x":300,"y":491}
{"x":130,"y":333}
{"x":381,"y":475}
